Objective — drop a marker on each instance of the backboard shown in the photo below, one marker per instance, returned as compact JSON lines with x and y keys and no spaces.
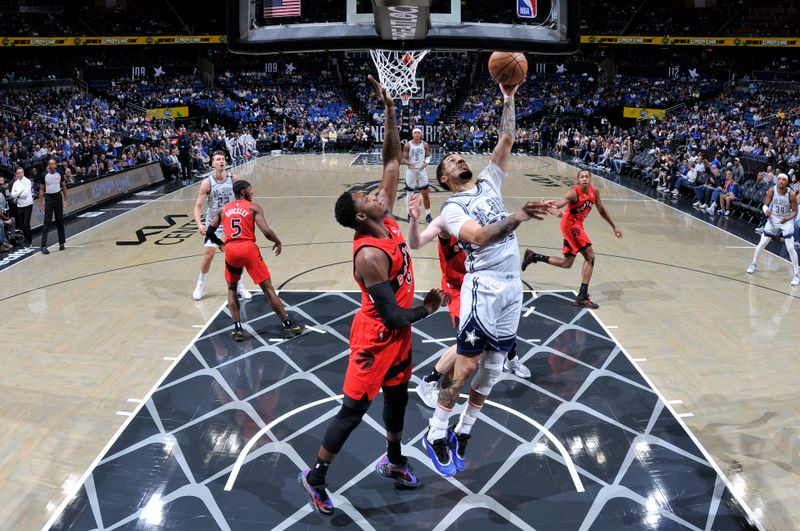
{"x":276,"y":26}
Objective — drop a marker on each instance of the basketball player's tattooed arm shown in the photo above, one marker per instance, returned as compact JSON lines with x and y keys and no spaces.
{"x":508,"y":128}
{"x":261,"y":223}
{"x":473,"y":233}
{"x":392,"y":154}
{"x":202,"y":196}
{"x":603,"y":212}
{"x":793,"y":204}
{"x":372,"y":266}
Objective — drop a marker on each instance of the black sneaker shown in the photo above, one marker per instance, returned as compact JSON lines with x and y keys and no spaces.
{"x":530,"y":258}
{"x":61,"y":247}
{"x":237,"y":334}
{"x":439,"y":454}
{"x":428,"y":218}
{"x":45,"y":250}
{"x":458,"y":448}
{"x":292,"y":330}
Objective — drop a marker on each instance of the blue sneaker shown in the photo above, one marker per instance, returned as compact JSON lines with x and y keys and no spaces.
{"x":439,"y":452}
{"x":458,"y":447}
{"x":320,"y":500}
{"x":401,"y":474}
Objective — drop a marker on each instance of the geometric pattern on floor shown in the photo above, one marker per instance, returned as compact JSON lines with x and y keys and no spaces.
{"x":167,"y":469}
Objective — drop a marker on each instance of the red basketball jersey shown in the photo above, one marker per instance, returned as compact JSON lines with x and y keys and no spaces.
{"x":577,"y":212}
{"x":401,"y":273}
{"x":451,"y":260}
{"x":238,"y":222}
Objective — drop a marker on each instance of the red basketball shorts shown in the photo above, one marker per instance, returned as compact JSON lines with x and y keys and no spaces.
{"x":378,"y":357}
{"x":575,"y":239}
{"x":244,"y":255}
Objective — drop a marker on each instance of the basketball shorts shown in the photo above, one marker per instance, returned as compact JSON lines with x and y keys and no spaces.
{"x":454,"y":306}
{"x":774,"y":227}
{"x":378,"y":357}
{"x":244,"y":255}
{"x":416,"y":179}
{"x":490,"y":310}
{"x":575,"y":240}
{"x":220,"y":232}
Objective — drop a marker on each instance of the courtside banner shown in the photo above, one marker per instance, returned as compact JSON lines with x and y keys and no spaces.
{"x":168,"y":112}
{"x":642,"y":113}
{"x":87,"y":195}
{"x":763,"y":42}
{"x":12,"y":42}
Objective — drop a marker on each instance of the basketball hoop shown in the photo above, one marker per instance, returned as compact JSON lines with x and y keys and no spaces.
{"x":397,"y":71}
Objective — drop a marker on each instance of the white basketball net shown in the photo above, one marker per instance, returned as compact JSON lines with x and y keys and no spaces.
{"x":397,"y":70}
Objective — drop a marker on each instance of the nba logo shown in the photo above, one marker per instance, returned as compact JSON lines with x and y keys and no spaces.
{"x":526,"y":8}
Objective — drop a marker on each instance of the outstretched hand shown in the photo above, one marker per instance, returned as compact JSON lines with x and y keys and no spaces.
{"x":415,"y":207}
{"x":510,"y":90}
{"x":538,"y":209}
{"x":380,"y":90}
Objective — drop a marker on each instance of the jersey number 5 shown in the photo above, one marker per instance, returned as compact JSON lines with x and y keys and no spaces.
{"x":236,"y":225}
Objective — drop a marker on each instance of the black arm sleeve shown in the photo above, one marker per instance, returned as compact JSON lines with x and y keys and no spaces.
{"x":392,"y":315}
{"x":211,"y":235}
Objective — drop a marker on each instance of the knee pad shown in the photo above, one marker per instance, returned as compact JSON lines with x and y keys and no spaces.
{"x":346,"y":420}
{"x":490,"y":367}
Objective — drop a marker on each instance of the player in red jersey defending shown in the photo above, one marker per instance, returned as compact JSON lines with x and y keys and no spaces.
{"x":380,"y":336}
{"x":239,"y":219}
{"x":579,"y":201}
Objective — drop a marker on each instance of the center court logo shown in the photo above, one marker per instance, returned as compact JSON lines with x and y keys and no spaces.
{"x":175,"y":236}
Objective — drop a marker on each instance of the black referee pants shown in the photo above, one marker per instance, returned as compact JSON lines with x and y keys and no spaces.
{"x":53,"y":204}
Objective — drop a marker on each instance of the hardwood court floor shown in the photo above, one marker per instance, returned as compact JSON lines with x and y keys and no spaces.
{"x":713,"y":337}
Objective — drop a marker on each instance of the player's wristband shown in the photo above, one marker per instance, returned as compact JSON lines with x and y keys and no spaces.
{"x":765,"y":208}
{"x":211,"y":236}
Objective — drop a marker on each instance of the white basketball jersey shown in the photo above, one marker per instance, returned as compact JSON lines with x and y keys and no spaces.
{"x":780,"y":206}
{"x":416,"y":155}
{"x":483,"y":204}
{"x":221,"y":194}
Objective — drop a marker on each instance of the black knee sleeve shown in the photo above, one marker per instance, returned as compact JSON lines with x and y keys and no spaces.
{"x":395,"y":399}
{"x":343,"y":424}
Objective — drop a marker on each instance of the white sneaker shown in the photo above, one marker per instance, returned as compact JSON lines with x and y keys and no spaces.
{"x":759,"y":230}
{"x":429,"y":393}
{"x":751,"y":269}
{"x":676,"y":192}
{"x":197,"y":294}
{"x":696,"y":204}
{"x":517,"y":368}
{"x":711,"y":210}
{"x":243,"y":293}
{"x":796,"y":280}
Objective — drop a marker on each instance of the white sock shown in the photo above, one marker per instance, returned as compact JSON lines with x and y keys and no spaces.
{"x":438,"y":423}
{"x":467,"y":419}
{"x":792,"y":254}
{"x":240,"y":286}
{"x":202,"y":278}
{"x":761,"y":245}
{"x":408,"y":201}
{"x":428,"y":211}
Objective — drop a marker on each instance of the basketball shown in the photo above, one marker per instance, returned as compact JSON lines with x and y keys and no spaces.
{"x":508,"y":68}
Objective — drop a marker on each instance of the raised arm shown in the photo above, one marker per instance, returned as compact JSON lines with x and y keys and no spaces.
{"x":392,"y":154}
{"x":603,"y":212}
{"x":508,"y":128}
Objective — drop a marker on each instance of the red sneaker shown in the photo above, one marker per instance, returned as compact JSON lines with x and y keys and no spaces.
{"x":586,"y":303}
